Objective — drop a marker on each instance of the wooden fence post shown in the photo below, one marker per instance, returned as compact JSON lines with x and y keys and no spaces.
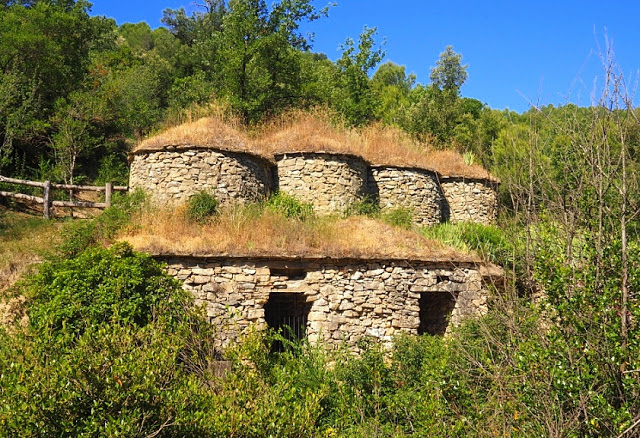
{"x":47,"y":200}
{"x":107,"y":194}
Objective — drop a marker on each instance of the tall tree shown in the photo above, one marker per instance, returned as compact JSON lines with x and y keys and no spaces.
{"x":392,"y":86}
{"x":356,"y":99}
{"x":449,"y":74}
{"x":259,"y":54}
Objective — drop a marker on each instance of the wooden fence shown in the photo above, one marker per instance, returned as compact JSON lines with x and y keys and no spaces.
{"x":48,"y":186}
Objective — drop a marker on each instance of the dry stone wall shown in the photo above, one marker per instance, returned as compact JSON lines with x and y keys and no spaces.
{"x":331,"y":182}
{"x":342,"y":300}
{"x":470,"y":200}
{"x":173,"y":176}
{"x":415,"y":189}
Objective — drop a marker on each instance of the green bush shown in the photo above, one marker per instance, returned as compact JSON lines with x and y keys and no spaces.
{"x":399,"y":217}
{"x":109,"y":350}
{"x":100,"y":286}
{"x":289,"y":206}
{"x":82,"y":234}
{"x":201,"y":206}
{"x":368,"y":206}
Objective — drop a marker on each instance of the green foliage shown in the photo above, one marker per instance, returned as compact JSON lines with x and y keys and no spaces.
{"x":202,"y":206}
{"x":106,"y":352}
{"x":290,"y":206}
{"x":113,"y":169}
{"x":368,"y":206}
{"x":392,"y":87}
{"x":400,"y":217}
{"x":258,"y":52}
{"x":355,"y":98}
{"x":449,"y":74}
{"x":80,"y":235}
{"x":97,"y":287}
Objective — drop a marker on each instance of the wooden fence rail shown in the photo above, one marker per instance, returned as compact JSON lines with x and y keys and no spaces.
{"x":47,"y":186}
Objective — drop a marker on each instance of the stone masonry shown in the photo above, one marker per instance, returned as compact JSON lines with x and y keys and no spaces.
{"x":331,"y":182}
{"x":173,"y":176}
{"x":343,"y":299}
{"x":415,"y":189}
{"x":470,"y":200}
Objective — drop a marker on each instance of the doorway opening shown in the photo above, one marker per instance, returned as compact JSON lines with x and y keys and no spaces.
{"x":435,"y":312}
{"x":287,"y":313}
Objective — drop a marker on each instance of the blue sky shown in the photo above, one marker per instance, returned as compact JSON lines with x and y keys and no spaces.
{"x":517,"y":52}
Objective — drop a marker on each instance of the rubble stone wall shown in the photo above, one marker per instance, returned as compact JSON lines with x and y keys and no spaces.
{"x":346,"y":299}
{"x":415,"y":189}
{"x":331,"y":182}
{"x":173,"y":176}
{"x":470,"y":200}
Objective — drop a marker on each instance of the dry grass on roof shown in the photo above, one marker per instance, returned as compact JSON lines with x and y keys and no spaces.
{"x":212,"y":131}
{"x":315,"y":131}
{"x":306,"y":131}
{"x":251,"y":231}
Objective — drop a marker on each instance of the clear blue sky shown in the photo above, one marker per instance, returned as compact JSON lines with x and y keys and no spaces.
{"x":517,"y":51}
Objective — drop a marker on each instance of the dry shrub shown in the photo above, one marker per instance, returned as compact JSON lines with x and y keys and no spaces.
{"x":316,"y":130}
{"x":252,"y":231}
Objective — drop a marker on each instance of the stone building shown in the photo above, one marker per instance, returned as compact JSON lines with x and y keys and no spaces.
{"x":334,"y":300}
{"x":330,"y":181}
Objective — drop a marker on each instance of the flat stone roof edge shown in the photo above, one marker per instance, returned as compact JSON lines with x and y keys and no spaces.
{"x":313,"y":258}
{"x":190,"y":146}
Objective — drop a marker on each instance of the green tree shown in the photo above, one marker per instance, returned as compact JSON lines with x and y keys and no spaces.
{"x":449,"y":74}
{"x":437,"y":111}
{"x":258,"y":54}
{"x":392,"y":86}
{"x":355,"y":97}
{"x":44,"y":54}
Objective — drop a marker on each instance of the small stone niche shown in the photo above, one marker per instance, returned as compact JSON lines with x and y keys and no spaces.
{"x":435,"y":312}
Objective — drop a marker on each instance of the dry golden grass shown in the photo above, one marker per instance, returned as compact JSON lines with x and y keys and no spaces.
{"x":250,"y":231}
{"x":316,"y":131}
{"x":213,"y":131}
{"x":23,"y":239}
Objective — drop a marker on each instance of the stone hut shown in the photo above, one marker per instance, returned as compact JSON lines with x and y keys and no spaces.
{"x":333,"y":300}
{"x":173,"y":174}
{"x":413,"y":188}
{"x":330,"y":181}
{"x":324,"y":171}
{"x":470,"y":199}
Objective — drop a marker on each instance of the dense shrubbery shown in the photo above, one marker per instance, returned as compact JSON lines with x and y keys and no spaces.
{"x":104,"y":353}
{"x":289,"y":206}
{"x":201,"y":206}
{"x":114,"y":346}
{"x":82,"y":234}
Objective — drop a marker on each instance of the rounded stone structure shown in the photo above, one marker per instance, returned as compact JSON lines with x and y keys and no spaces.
{"x":173,"y":174}
{"x":470,"y":200}
{"x":412,"y":188}
{"x":331,"y":182}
